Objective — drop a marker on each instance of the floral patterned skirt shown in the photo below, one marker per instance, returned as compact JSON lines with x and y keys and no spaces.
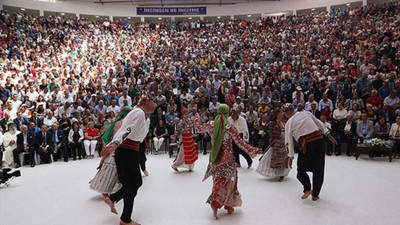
{"x":274,"y":162}
{"x":224,"y":191}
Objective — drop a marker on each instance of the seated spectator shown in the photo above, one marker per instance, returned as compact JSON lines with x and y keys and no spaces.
{"x":345,"y":133}
{"x":371,"y":114}
{"x":75,"y":140}
{"x":32,"y":128}
{"x":392,"y":100}
{"x":10,"y":143}
{"x":382,"y":129}
{"x":43,"y":141}
{"x":355,"y":113}
{"x":159,"y":134}
{"x":395,"y":136}
{"x":5,"y":121}
{"x":375,"y":101}
{"x":325,"y":102}
{"x":49,"y":120}
{"x":25,"y":143}
{"x":327,"y":113}
{"x":365,"y":128}
{"x":91,"y":137}
{"x":58,"y":143}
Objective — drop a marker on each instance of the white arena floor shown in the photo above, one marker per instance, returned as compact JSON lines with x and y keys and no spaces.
{"x":355,"y":192}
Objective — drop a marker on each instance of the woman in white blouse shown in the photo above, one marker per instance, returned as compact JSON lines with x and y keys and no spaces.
{"x":340,"y":113}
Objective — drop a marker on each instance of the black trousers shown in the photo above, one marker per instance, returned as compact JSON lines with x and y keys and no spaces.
{"x":127,"y":162}
{"x":237,"y":151}
{"x":142,"y":156}
{"x":312,"y":161}
{"x":76,"y":149}
{"x":45,"y":156}
{"x":57,"y":151}
{"x":17,"y":151}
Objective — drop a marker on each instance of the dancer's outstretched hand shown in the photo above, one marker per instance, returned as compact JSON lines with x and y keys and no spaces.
{"x":332,"y":139}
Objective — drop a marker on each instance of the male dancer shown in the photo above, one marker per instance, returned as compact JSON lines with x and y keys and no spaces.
{"x":126,"y":142}
{"x":307,"y":130}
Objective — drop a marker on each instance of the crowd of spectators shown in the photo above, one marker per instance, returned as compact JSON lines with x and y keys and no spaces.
{"x":65,"y":79}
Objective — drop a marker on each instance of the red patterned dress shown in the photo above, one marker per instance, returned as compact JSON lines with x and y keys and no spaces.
{"x":224,"y":173}
{"x":187,"y":155}
{"x":275,"y":160}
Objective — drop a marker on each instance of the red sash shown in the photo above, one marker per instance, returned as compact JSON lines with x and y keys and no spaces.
{"x":303,"y":140}
{"x":129,"y":144}
{"x":190,"y":150}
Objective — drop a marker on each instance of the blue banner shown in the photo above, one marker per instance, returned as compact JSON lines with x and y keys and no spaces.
{"x":171,"y":10}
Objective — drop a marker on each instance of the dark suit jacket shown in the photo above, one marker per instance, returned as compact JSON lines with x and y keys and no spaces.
{"x":18,"y":123}
{"x":31,"y":141}
{"x":39,"y":139}
{"x":38,"y":121}
{"x":60,"y":136}
{"x":317,"y":113}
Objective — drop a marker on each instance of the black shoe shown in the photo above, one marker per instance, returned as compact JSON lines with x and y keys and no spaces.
{"x":204,"y":153}
{"x":18,"y":166}
{"x":80,"y":158}
{"x":66,"y":160}
{"x":32,"y":164}
{"x":74,"y":158}
{"x":329,"y":153}
{"x":338,"y":153}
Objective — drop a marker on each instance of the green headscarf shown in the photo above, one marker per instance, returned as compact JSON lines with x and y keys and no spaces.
{"x":108,"y":135}
{"x":219,"y":131}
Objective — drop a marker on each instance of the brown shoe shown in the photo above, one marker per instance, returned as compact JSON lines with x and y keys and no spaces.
{"x":315,"y":198}
{"x":306,"y":194}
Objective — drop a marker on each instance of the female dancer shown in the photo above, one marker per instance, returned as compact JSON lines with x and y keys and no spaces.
{"x":106,"y":179}
{"x":222,"y":166}
{"x":274,"y":162}
{"x":188,"y":153}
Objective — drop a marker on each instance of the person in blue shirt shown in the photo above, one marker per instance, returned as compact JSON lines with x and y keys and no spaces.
{"x":32,"y":128}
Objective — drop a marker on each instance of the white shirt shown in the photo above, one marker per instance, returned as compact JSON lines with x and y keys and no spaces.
{"x":339,"y":114}
{"x":49,"y":122}
{"x":122,"y":98}
{"x":300,"y":124}
{"x":134,"y":127}
{"x":307,"y":107}
{"x":115,"y":109}
{"x":241,"y":126}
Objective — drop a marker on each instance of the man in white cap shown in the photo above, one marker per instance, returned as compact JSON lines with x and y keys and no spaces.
{"x":308,"y":131}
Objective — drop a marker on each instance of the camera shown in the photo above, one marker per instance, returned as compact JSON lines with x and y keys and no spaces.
{"x":6,"y":174}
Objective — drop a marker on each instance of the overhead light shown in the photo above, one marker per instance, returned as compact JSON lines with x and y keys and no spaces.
{"x":97,"y":16}
{"x":159,"y":18}
{"x":62,"y":14}
{"x":190,"y":18}
{"x":312,"y":9}
{"x":348,"y":4}
{"x":129,"y":17}
{"x":22,"y":9}
{"x":248,"y":15}
{"x":218,"y":17}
